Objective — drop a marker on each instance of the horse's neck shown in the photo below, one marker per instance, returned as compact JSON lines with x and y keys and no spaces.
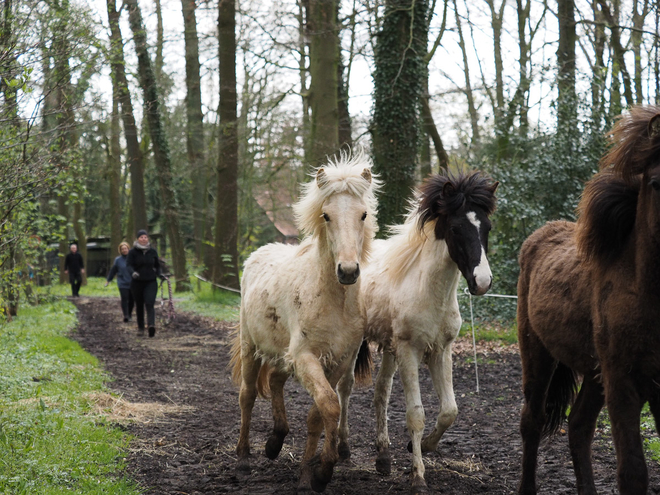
{"x":646,"y":246}
{"x":439,"y":274}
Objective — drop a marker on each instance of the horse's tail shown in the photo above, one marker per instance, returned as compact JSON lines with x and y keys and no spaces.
{"x":561,"y":393}
{"x":363,"y":365}
{"x":236,"y":365}
{"x":235,"y":361}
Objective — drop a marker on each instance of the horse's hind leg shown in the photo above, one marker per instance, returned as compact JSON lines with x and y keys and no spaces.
{"x":440,"y":367}
{"x":280,"y":425}
{"x":246,"y":397}
{"x":581,"y":427}
{"x":382,"y":391}
{"x":537,"y":369}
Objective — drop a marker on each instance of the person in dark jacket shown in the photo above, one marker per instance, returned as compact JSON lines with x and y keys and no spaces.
{"x":124,"y":279}
{"x":74,"y":267}
{"x":142,"y":261}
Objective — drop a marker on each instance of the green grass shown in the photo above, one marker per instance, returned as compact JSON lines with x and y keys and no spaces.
{"x":491,"y":332}
{"x":94,"y":288}
{"x":208,"y":301}
{"x":50,"y":442}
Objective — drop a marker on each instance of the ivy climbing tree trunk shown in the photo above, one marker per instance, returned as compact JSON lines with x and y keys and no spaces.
{"x":159,"y":144}
{"x":138,"y":220}
{"x":399,"y":75}
{"x":225,"y":269}
{"x":324,"y":88}
{"x":194,"y":125}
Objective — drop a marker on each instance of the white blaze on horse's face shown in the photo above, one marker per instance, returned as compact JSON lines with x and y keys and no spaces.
{"x":482,"y":275}
{"x":344,"y":216}
{"x":467,"y":241}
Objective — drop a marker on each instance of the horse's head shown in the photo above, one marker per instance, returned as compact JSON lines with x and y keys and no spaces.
{"x":461,"y":207}
{"x":339,"y":209}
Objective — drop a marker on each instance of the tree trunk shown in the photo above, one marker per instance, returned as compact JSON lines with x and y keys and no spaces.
{"x":432,"y":131}
{"x":194,"y":125}
{"x":612,"y":19}
{"x":158,"y":63}
{"x":472,"y":108}
{"x":400,"y":70}
{"x":114,"y":174}
{"x":566,"y":101}
{"x":226,"y":217}
{"x":638,"y":20}
{"x":81,"y":238}
{"x":160,"y":145}
{"x":323,"y":67}
{"x":303,"y":75}
{"x":133,"y":151}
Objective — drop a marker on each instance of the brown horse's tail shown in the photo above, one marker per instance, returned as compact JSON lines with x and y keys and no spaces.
{"x":236,"y":365}
{"x":363,"y":365}
{"x":561,"y":393}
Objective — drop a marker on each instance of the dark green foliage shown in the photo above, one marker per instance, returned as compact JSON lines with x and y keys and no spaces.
{"x":398,"y":85}
{"x":541,"y":179}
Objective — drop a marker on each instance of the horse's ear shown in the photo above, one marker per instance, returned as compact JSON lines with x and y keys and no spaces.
{"x":493,"y":187}
{"x":654,"y":126}
{"x":366,"y":175}
{"x":321,"y":177}
{"x":448,"y":189}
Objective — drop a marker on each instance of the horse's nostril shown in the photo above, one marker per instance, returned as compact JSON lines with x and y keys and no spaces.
{"x":340,"y":272}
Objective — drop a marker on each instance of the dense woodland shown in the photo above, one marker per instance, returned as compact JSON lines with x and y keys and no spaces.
{"x":198,"y":120}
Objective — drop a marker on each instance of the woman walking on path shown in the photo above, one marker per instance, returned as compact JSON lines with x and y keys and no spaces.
{"x":124,"y":278}
{"x":144,"y":266}
{"x":74,"y":267}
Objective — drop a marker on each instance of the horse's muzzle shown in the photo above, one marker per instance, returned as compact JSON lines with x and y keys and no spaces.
{"x":348,"y":273}
{"x":479,"y":289}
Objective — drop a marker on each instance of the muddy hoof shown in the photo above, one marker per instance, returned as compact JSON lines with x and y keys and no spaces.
{"x":419,"y":487}
{"x":243,"y":466}
{"x":274,"y":446}
{"x":321,"y":473}
{"x":383,"y":462}
{"x":344,"y":451}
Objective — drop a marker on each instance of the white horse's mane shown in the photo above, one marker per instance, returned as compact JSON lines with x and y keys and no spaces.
{"x":342,"y":175}
{"x":406,"y":243}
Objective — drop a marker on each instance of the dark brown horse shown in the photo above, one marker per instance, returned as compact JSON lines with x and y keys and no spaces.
{"x":589,"y":310}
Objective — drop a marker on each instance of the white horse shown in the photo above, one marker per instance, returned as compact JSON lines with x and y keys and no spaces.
{"x":301,"y":315}
{"x":409,"y":291}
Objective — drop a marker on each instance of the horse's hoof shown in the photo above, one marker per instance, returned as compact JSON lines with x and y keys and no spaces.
{"x":383,"y":462}
{"x":321,"y":473}
{"x":419,"y":487}
{"x":243,"y":466}
{"x":274,"y":446}
{"x":344,"y":451}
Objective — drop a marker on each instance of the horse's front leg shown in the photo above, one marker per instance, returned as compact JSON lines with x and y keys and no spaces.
{"x":246,"y":397}
{"x":382,"y":391}
{"x":441,"y":374}
{"x":326,"y":405}
{"x":344,"y":388}
{"x":624,"y":406}
{"x":409,"y":360}
{"x":280,"y":424}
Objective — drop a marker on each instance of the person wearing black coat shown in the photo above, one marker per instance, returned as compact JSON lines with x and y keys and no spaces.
{"x":144,"y":266}
{"x":124,"y":280}
{"x":74,"y":267}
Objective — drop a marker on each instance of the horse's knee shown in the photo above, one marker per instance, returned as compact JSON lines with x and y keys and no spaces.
{"x":415,"y":418}
{"x":447,"y":416}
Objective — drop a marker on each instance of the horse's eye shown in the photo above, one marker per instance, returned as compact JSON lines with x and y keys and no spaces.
{"x":364,"y":215}
{"x":326,"y":217}
{"x":655,"y":184}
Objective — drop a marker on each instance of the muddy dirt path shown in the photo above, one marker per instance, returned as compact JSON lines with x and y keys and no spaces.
{"x":187,"y":424}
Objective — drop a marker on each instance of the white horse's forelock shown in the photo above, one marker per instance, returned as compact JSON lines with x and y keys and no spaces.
{"x":342,"y":175}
